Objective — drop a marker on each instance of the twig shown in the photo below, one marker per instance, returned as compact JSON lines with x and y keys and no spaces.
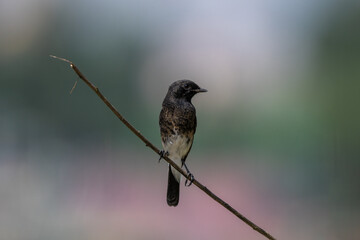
{"x":71,"y":91}
{"x":155,"y":149}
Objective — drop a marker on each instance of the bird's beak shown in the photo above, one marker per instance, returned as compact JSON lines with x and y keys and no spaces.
{"x":200,"y":90}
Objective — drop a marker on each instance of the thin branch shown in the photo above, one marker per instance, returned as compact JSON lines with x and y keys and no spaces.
{"x":155,"y":149}
{"x":73,"y":88}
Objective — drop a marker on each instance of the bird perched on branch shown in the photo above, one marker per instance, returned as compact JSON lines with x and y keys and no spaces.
{"x":177,"y":122}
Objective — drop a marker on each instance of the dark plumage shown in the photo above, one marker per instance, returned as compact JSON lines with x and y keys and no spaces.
{"x":177,"y":122}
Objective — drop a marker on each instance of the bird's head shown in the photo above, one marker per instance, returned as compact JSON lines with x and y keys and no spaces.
{"x":184,"y":89}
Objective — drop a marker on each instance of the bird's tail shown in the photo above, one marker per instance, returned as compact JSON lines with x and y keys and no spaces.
{"x":173,"y":189}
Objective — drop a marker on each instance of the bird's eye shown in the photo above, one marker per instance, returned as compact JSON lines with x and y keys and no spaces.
{"x":186,"y":86}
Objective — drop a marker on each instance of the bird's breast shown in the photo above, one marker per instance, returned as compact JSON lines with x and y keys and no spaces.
{"x":178,"y":145}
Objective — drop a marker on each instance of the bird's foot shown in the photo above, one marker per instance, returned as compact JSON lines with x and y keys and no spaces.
{"x":189,"y":182}
{"x":190,"y":178}
{"x":162,"y":154}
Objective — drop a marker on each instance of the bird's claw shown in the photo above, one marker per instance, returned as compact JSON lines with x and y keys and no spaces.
{"x":190,"y":177}
{"x":162,"y":154}
{"x":190,"y":181}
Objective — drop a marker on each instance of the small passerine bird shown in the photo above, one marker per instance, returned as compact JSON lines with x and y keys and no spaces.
{"x":177,"y":122}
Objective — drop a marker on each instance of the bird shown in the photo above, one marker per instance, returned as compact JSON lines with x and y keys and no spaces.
{"x":177,"y":123}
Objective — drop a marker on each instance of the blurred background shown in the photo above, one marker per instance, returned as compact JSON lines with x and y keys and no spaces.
{"x":278,"y":133}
